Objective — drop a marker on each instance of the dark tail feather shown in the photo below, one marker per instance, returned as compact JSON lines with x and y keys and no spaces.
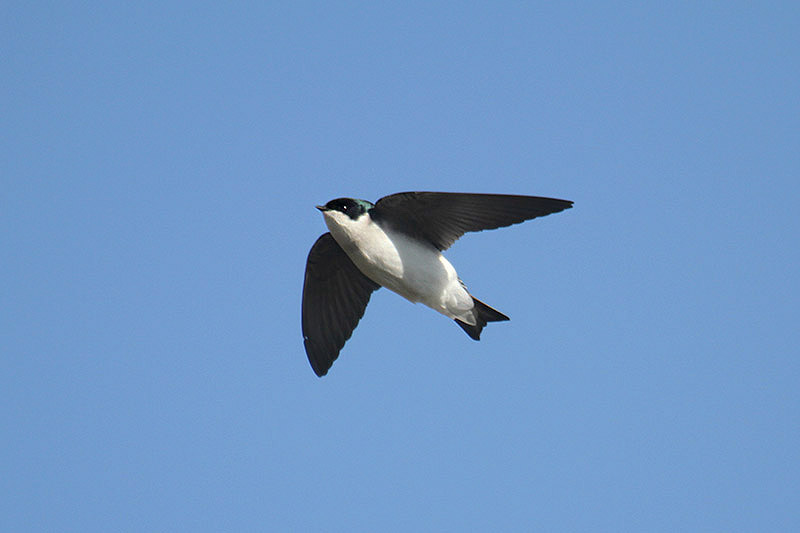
{"x":483,"y":314}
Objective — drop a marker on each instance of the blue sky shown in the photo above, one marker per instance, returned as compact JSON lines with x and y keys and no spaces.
{"x":160,"y":165}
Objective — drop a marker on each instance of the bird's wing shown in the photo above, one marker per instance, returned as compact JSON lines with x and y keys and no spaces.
{"x":335,"y":294}
{"x":442,"y":217}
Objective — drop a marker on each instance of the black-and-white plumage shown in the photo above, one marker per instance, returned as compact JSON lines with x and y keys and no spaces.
{"x":397,"y":243}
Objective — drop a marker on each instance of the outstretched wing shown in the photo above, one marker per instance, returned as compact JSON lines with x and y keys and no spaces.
{"x":442,"y":217}
{"x":335,"y":294}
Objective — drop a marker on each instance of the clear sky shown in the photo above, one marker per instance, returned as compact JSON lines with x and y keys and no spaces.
{"x":160,"y":164}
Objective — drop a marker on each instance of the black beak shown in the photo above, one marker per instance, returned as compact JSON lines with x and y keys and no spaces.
{"x":321,"y":208}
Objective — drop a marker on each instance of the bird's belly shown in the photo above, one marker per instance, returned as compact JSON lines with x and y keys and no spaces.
{"x":415,"y":271}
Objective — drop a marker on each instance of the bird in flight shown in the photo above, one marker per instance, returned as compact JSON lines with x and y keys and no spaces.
{"x":397,"y":243}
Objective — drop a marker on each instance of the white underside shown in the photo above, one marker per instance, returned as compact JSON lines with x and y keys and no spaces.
{"x":415,"y":271}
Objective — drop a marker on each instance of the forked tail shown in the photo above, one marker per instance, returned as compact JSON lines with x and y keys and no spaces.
{"x":483,"y":314}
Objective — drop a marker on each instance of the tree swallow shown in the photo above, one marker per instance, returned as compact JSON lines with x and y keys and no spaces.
{"x":397,"y":243}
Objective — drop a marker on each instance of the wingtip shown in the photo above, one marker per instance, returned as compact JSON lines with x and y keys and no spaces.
{"x":564,"y":204}
{"x":317,"y":364}
{"x":320,"y":372}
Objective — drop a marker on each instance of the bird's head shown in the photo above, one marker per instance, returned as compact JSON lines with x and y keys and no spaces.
{"x":341,"y":209}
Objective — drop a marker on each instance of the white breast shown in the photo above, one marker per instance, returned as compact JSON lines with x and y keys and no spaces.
{"x":414,"y":270}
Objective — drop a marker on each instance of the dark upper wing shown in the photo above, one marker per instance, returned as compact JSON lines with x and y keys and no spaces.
{"x":335,"y":294}
{"x":443,"y":217}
